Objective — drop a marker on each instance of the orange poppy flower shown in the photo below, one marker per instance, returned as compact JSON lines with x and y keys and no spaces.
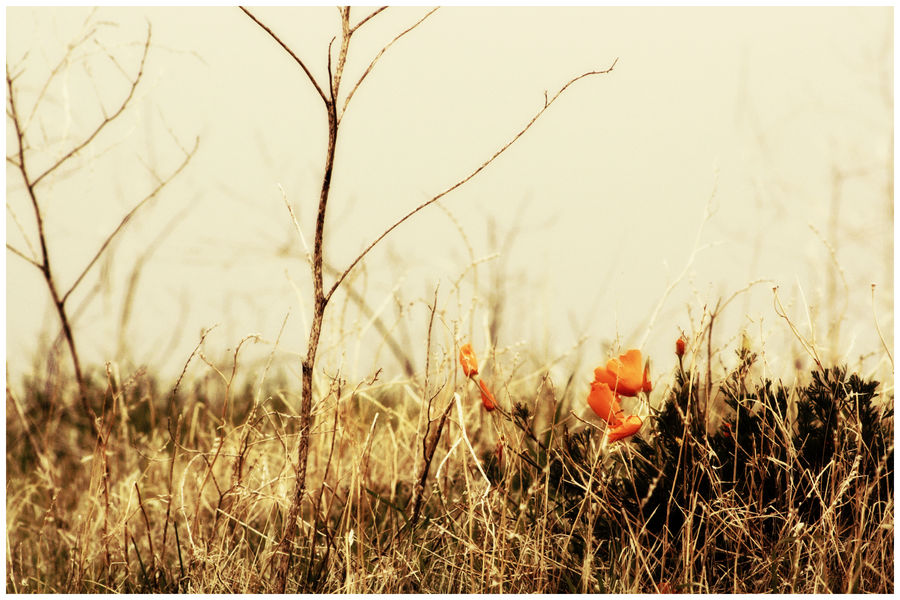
{"x":623,"y":375}
{"x":487,"y":398}
{"x":467,"y":360}
{"x":604,"y":403}
{"x":626,"y":428}
{"x":679,"y":346}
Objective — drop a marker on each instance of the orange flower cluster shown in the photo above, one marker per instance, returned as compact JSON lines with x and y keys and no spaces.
{"x":621,"y":376}
{"x":469,"y":364}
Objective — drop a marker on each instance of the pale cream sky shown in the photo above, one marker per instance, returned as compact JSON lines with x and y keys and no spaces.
{"x":786,"y":113}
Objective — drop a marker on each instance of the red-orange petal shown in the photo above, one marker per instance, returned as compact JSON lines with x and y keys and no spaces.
{"x":622,"y":375}
{"x":467,"y":360}
{"x":487,"y":398}
{"x":679,"y":346}
{"x":604,"y":403}
{"x":627,"y":428}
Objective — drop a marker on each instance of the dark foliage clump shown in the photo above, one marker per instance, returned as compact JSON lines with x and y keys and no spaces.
{"x":785,"y":455}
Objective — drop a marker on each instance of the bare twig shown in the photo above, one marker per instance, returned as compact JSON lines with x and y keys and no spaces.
{"x":289,"y":51}
{"x":19,"y":253}
{"x":106,"y":121}
{"x":363,"y":22}
{"x":296,"y":224}
{"x":130,"y":214}
{"x":466,"y":179}
{"x":21,"y":229}
{"x":377,"y":56}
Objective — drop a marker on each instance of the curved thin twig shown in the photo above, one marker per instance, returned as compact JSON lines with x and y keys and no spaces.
{"x":128,"y":217}
{"x":363,"y":22}
{"x":459,"y":183}
{"x":289,"y":51}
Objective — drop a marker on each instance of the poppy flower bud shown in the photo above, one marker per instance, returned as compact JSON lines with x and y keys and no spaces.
{"x":467,"y":360}
{"x":647,"y":386}
{"x":487,"y":398}
{"x":679,"y":347}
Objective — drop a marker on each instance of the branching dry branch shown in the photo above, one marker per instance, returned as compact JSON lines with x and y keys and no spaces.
{"x":289,"y":51}
{"x":106,"y":121}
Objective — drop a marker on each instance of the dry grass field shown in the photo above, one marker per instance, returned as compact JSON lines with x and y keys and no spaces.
{"x":413,"y":486}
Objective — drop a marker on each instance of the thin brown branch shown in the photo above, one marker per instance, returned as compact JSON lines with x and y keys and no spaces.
{"x":289,"y":51}
{"x":106,"y":120}
{"x":21,"y":229}
{"x":377,"y":56}
{"x":20,"y":254}
{"x":20,"y":164}
{"x":363,"y":22}
{"x":461,"y":182}
{"x":130,"y":214}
